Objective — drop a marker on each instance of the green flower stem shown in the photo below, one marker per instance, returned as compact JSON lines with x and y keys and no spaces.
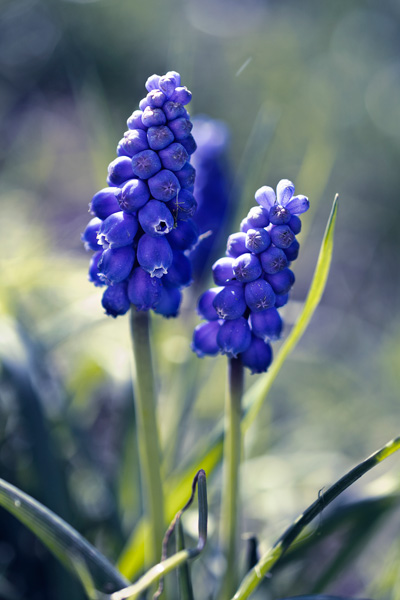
{"x":147,"y":432}
{"x":271,"y":557}
{"x":230,"y":490}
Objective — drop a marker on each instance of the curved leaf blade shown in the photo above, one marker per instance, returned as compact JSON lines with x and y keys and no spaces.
{"x":254,"y":577}
{"x":90,"y":566}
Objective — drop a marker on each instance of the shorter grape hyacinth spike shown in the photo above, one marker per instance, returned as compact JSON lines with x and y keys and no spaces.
{"x":142,"y":230}
{"x":254,"y":280}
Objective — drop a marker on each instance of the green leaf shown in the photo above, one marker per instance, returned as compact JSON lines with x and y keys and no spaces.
{"x":208,"y":457}
{"x":269,"y":559}
{"x":88,"y":564}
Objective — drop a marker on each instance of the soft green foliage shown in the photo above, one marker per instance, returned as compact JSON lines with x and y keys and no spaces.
{"x":89,"y":565}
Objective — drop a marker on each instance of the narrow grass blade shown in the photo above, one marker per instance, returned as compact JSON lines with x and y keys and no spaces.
{"x":87,"y":563}
{"x":208,"y":457}
{"x":176,"y":560}
{"x":271,"y":557}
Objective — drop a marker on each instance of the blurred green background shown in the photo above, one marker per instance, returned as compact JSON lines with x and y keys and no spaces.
{"x":310,"y":91}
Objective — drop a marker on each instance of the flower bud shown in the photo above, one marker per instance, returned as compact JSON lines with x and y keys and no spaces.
{"x":159,"y":137}
{"x":281,"y":236}
{"x":145,"y":164}
{"x":266,"y":324}
{"x":93,"y":274}
{"x":186,"y":176}
{"x":156,"y":98}
{"x":105,"y":202}
{"x":173,"y":157}
{"x":184,"y":236}
{"x":181,"y":95}
{"x":173,"y":110}
{"x":144,"y":291}
{"x":135,"y":120}
{"x":133,"y":195}
{"x":273,"y":260}
{"x":181,"y":128}
{"x":246,"y":267}
{"x":222,"y":271}
{"x":180,"y":272}
{"x":257,"y":240}
{"x":293,"y":251}
{"x":295,"y":224}
{"x":281,"y":282}
{"x":236,"y":245}
{"x":278,"y":215}
{"x":205,"y":339}
{"x":169,"y":302}
{"x":234,"y":337}
{"x":229,"y":303}
{"x":183,"y":206}
{"x":115,"y":299}
{"x":134,"y":141}
{"x":205,"y":306}
{"x":119,"y":171}
{"x":258,"y":356}
{"x":259,"y":295}
{"x":164,"y":185}
{"x":189,"y":144}
{"x":152,"y":117}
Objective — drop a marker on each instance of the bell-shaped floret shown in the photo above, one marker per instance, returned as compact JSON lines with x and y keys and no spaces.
{"x":115,"y":299}
{"x":234,"y":337}
{"x":205,"y":339}
{"x":267,"y":324}
{"x":154,"y":254}
{"x":258,"y":356}
{"x":116,"y":264}
{"x":144,"y":291}
{"x":119,"y":229}
{"x":155,"y":218}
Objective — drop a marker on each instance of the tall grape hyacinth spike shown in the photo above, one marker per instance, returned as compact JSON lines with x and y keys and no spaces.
{"x":142,"y":230}
{"x":253,"y":281}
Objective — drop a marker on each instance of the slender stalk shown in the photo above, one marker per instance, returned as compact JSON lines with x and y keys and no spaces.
{"x":230,"y":490}
{"x":147,"y":432}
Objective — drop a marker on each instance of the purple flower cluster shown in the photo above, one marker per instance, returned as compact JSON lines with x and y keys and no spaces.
{"x":142,"y":226}
{"x":254,"y":280}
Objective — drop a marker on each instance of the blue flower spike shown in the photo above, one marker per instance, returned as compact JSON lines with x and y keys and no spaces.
{"x":255,"y":280}
{"x":142,"y":232}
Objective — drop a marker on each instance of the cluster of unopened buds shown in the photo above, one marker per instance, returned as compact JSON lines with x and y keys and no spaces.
{"x":142,"y":227}
{"x":254,"y":280}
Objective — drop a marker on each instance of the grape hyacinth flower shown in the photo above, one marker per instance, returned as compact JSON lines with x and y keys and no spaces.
{"x":142,"y":230}
{"x":254,"y":279}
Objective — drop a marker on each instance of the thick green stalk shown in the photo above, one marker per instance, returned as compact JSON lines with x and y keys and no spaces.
{"x":230,"y":489}
{"x":147,"y":432}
